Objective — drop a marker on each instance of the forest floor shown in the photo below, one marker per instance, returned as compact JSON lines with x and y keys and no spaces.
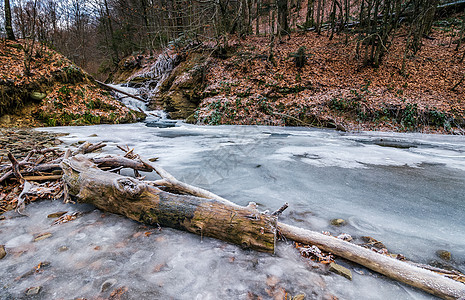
{"x":335,"y":88}
{"x":54,"y":92}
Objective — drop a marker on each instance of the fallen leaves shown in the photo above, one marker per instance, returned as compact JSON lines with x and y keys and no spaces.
{"x":247,"y":89}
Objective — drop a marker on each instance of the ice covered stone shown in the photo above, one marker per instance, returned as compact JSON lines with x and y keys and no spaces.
{"x":444,"y":254}
{"x":340,"y":270}
{"x":2,"y":251}
{"x":33,"y":290}
{"x":338,"y":222}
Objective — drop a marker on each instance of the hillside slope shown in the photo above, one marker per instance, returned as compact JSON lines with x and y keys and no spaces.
{"x":334,"y":88}
{"x":55,"y":92}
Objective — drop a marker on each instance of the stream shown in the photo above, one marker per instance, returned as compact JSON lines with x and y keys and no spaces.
{"x":404,"y":189}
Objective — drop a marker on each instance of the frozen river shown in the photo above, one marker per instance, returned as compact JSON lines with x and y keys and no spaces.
{"x":406,"y":190}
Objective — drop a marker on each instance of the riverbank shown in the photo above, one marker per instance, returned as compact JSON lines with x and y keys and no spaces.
{"x":334,"y":88}
{"x":258,"y":81}
{"x":40,"y":87}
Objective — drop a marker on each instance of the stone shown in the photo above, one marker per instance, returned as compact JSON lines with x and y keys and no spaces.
{"x":444,"y":254}
{"x":63,"y":249}
{"x":2,"y":251}
{"x":161,"y":123}
{"x":33,"y":290}
{"x":107,"y":285}
{"x":37,"y":96}
{"x":369,"y":241}
{"x":340,"y":270}
{"x":299,"y":297}
{"x":56,"y":215}
{"x":338,"y":222}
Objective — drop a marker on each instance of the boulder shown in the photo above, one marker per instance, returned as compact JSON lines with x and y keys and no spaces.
{"x":37,"y":96}
{"x":181,"y":92}
{"x":340,"y":270}
{"x":2,"y":251}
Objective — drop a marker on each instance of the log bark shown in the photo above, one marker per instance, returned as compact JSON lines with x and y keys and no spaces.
{"x":142,"y":202}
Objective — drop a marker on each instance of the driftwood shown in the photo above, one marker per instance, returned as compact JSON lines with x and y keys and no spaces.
{"x":244,"y":226}
{"x":423,"y":279}
{"x":202,"y":212}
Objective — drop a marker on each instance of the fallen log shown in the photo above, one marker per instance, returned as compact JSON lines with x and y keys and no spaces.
{"x":207,"y":214}
{"x":423,"y":279}
{"x":127,"y":196}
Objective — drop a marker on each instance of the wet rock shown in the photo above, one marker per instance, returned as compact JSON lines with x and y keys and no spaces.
{"x":33,"y":290}
{"x":42,"y":236}
{"x":2,"y":251}
{"x":108,"y":284}
{"x":37,"y":96}
{"x":369,"y":241}
{"x":299,"y":297}
{"x":338,"y":222}
{"x":161,"y":123}
{"x":340,"y":270}
{"x":444,"y":254}
{"x":56,"y":215}
{"x":63,"y":249}
{"x":182,"y":91}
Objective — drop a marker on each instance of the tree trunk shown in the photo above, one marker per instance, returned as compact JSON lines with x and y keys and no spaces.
{"x":8,"y":27}
{"x":213,"y":216}
{"x":309,"y":20}
{"x":244,"y":226}
{"x":283,"y":25}
{"x":114,"y":46}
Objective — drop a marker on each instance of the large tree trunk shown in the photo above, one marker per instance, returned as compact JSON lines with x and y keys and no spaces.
{"x":8,"y":27}
{"x":111,"y":192}
{"x":210,"y":215}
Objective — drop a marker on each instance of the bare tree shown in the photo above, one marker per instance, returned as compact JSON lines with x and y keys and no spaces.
{"x":8,"y":26}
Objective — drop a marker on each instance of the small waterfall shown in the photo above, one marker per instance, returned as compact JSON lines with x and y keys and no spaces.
{"x":152,"y":78}
{"x":156,"y":74}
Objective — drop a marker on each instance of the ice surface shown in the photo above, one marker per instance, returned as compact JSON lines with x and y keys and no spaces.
{"x":406,"y":190}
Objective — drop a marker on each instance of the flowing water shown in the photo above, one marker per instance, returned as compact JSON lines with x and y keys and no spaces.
{"x":406,"y":190}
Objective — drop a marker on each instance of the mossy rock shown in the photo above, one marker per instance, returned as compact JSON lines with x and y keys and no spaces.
{"x":38,"y":96}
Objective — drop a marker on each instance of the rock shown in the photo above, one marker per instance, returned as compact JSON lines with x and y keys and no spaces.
{"x":182,"y":91}
{"x":161,"y":123}
{"x":338,"y":222}
{"x":299,"y":297}
{"x":63,"y":249}
{"x":56,"y":215}
{"x":37,"y":96}
{"x":340,"y":270}
{"x":42,"y":236}
{"x":444,"y":254}
{"x":369,"y":241}
{"x":107,"y":285}
{"x":33,"y":290}
{"x":2,"y":251}
{"x":93,"y":135}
